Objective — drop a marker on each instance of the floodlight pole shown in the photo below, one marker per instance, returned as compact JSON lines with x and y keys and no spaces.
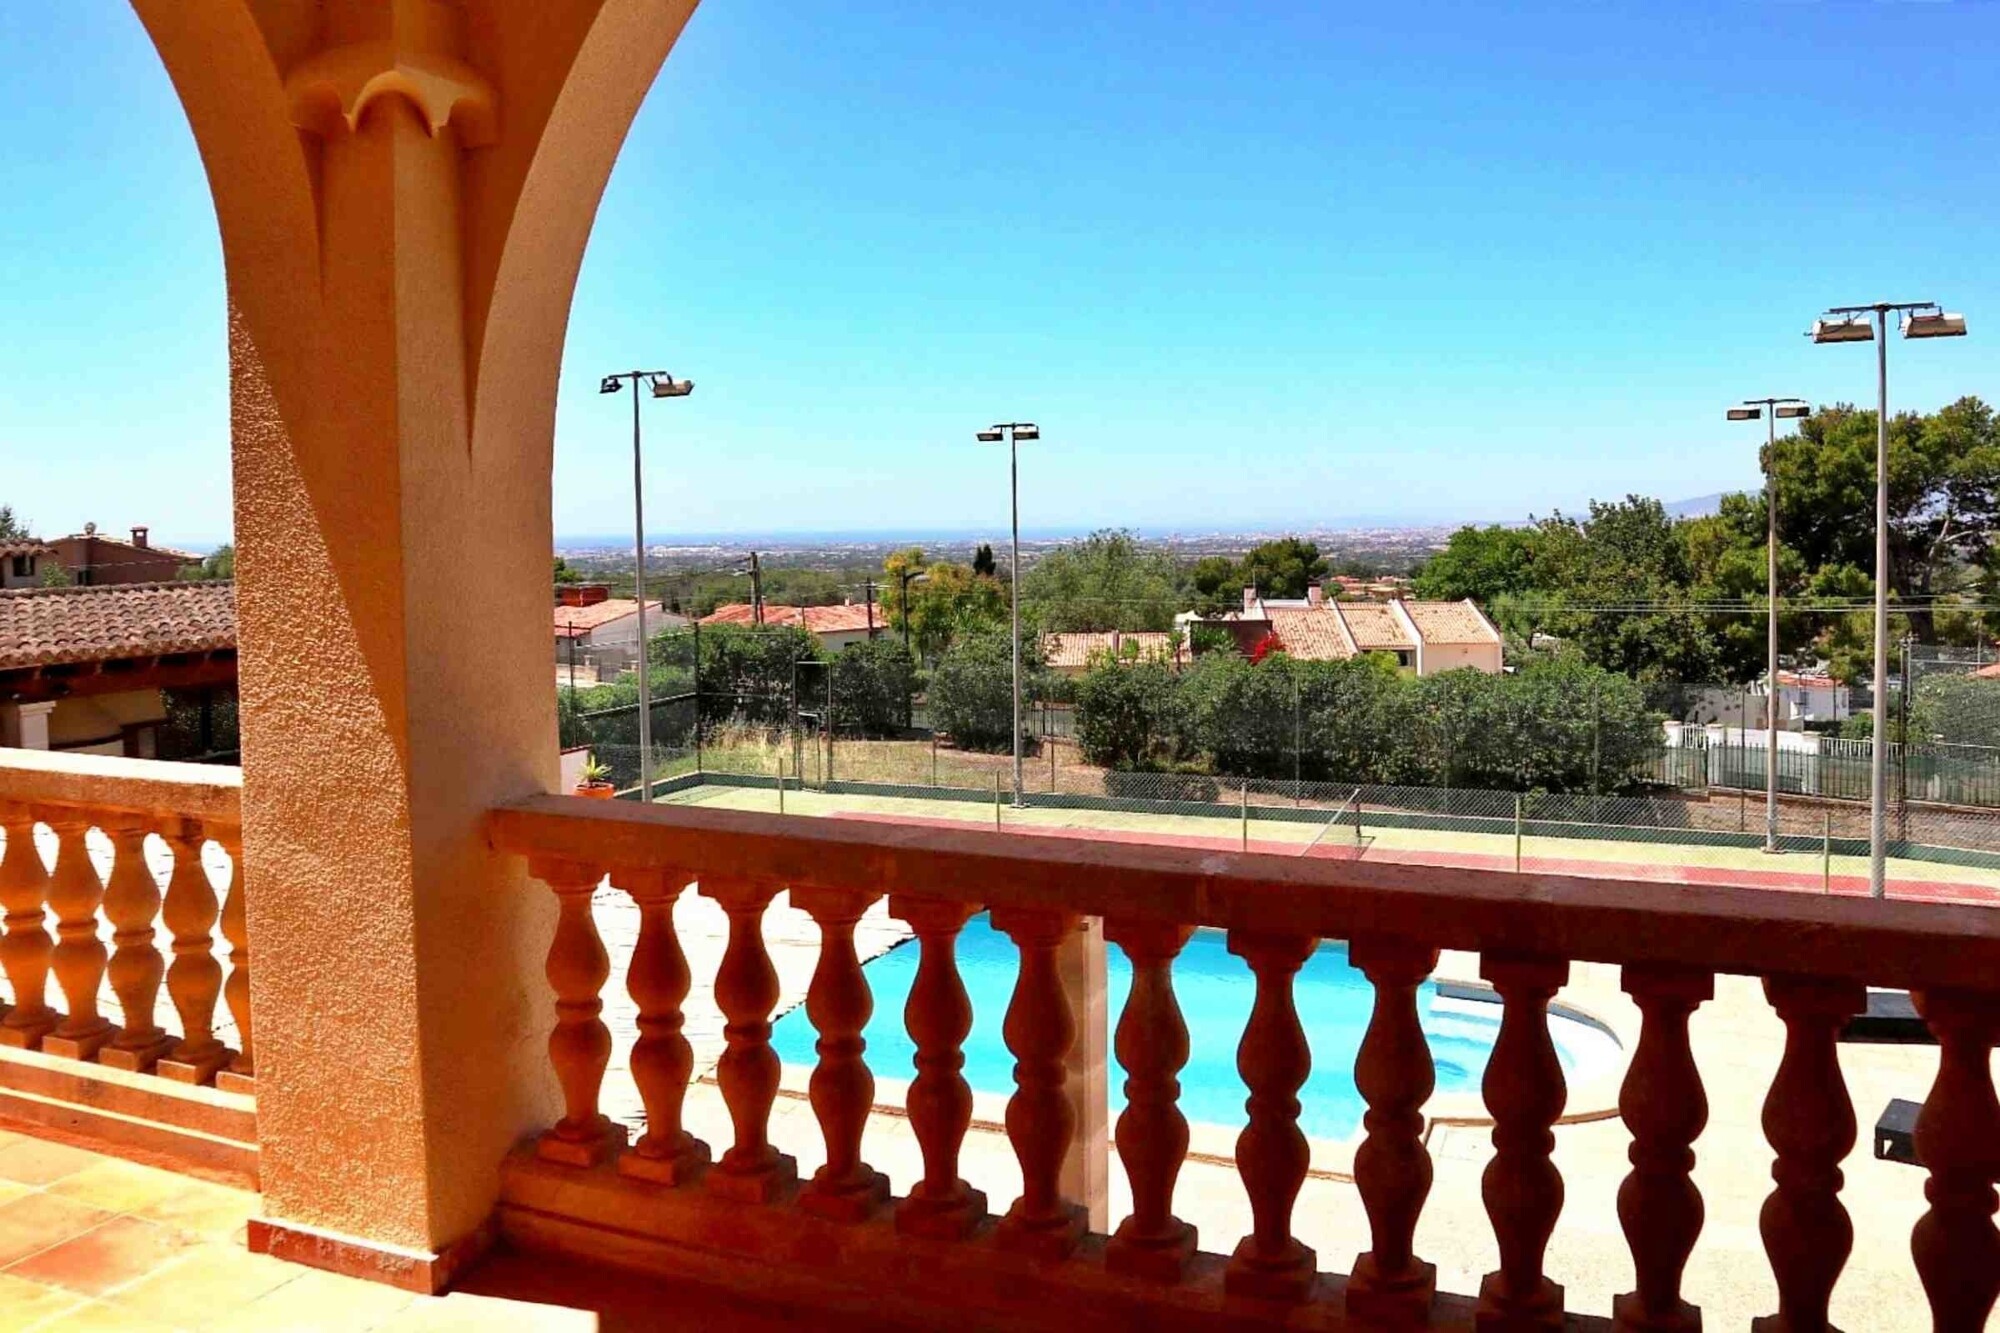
{"x":664,"y":386}
{"x":1935,"y":325}
{"x":1014,"y":432}
{"x":1768,"y":408}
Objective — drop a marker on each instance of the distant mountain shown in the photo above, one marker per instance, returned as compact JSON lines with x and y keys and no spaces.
{"x":1701,"y":506}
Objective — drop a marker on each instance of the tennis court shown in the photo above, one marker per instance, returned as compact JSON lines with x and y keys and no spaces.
{"x":1666,"y":856}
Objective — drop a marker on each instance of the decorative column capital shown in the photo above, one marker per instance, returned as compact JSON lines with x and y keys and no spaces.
{"x":329,"y":93}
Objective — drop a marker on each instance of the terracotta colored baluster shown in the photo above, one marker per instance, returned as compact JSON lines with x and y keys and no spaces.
{"x":1271,"y":1152}
{"x":662,"y":1060}
{"x":194,"y":979}
{"x":241,"y":1075}
{"x":579,"y":1044}
{"x":746,"y":989}
{"x":1523,"y":1190}
{"x":1956,"y":1248}
{"x":131,"y":902}
{"x":74,"y":894}
{"x":1664,"y":1108}
{"x":1039,"y":1031}
{"x":1152,"y":1045}
{"x":1392,"y":1169}
{"x":843,"y":1090}
{"x":26,"y":949}
{"x":1809,"y":1121}
{"x":938,"y":1016}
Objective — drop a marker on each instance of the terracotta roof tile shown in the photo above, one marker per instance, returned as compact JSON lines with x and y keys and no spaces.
{"x":1449,"y":622}
{"x":58,"y":626}
{"x":1076,"y":648}
{"x":1375,"y":627}
{"x":847,"y":619}
{"x":1310,"y":635}
{"x":576,"y":621}
{"x":25,"y":546}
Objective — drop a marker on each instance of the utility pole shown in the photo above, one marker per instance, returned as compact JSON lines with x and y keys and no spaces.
{"x":756,"y":590}
{"x":868,"y":591}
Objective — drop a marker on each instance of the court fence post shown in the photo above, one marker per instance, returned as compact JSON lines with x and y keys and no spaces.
{"x":1246,"y":814}
{"x":1357,"y":823}
{"x":1517,"y":833}
{"x":781,"y":782}
{"x":1826,"y":852}
{"x":996,"y":800}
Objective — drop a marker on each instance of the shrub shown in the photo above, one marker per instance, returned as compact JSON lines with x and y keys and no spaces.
{"x":971,"y":697}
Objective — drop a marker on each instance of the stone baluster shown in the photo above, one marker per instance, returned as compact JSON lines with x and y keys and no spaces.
{"x":1809,"y":1121}
{"x":131,"y":903}
{"x":194,"y":979}
{"x":1956,"y":1248}
{"x":1039,"y":1030}
{"x":75,"y":892}
{"x":1271,"y":1153}
{"x":662,"y":1060}
{"x":1392,"y":1168}
{"x":1523,"y":1190}
{"x":746,"y":990}
{"x":843,"y":1090}
{"x":579,"y":1044}
{"x":1665,"y":1109}
{"x":26,"y":950}
{"x":241,"y":1073}
{"x":938,"y":1015}
{"x":1152,"y":1134}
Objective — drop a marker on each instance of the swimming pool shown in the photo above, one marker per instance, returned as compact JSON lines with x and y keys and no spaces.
{"x":1215,"y":990}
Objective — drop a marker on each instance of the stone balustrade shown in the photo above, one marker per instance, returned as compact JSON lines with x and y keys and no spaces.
{"x":842,"y":1240}
{"x":97,"y":933}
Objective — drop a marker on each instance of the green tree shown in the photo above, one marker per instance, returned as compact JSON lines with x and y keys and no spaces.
{"x":1215,"y":584}
{"x":971,"y":696}
{"x":1284,"y":567}
{"x":217,"y":564}
{"x":950,"y":602}
{"x":1126,"y":713}
{"x":1106,"y":581}
{"x":872,"y":684}
{"x":11,"y":528}
{"x":983,"y":563}
{"x":1481,"y":563}
{"x":564,"y":571}
{"x":747,"y":673}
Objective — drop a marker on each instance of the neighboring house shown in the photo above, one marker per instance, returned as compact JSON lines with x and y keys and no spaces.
{"x":94,"y":560}
{"x":594,"y":628}
{"x":1425,"y":637}
{"x":1071,"y":654}
{"x":1812,"y":697}
{"x":140,"y":670}
{"x":835,"y":627}
{"x":21,"y":562}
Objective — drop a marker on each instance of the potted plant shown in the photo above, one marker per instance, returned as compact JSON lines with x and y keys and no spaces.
{"x":595,"y":781}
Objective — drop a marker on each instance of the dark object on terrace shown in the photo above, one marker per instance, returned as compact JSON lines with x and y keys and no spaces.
{"x":1891,"y":1020}
{"x":1895,"y":1132}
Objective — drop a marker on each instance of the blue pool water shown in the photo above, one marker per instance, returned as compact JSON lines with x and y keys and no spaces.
{"x":1215,"y":989}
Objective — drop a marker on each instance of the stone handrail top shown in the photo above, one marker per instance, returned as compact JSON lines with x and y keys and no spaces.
{"x":112,"y":784}
{"x":1753,"y":932}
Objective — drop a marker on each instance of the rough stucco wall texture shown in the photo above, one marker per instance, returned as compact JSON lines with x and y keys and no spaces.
{"x":399,"y":294}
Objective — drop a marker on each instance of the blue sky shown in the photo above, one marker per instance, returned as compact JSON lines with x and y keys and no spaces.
{"x":1269,"y":264}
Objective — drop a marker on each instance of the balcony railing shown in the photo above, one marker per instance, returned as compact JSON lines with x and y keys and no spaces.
{"x":662,"y":1202}
{"x":86,"y":1041}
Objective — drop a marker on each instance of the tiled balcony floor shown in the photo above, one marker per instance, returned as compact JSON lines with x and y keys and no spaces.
{"x":89,"y":1242}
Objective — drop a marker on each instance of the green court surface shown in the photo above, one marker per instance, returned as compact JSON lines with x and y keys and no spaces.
{"x":1622,"y":856}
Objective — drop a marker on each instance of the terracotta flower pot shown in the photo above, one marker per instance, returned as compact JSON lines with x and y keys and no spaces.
{"x":597,"y":791}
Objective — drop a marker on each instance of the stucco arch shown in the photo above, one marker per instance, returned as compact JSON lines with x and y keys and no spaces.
{"x":404,"y":189}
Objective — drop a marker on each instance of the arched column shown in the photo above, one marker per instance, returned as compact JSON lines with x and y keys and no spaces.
{"x":404,"y":189}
